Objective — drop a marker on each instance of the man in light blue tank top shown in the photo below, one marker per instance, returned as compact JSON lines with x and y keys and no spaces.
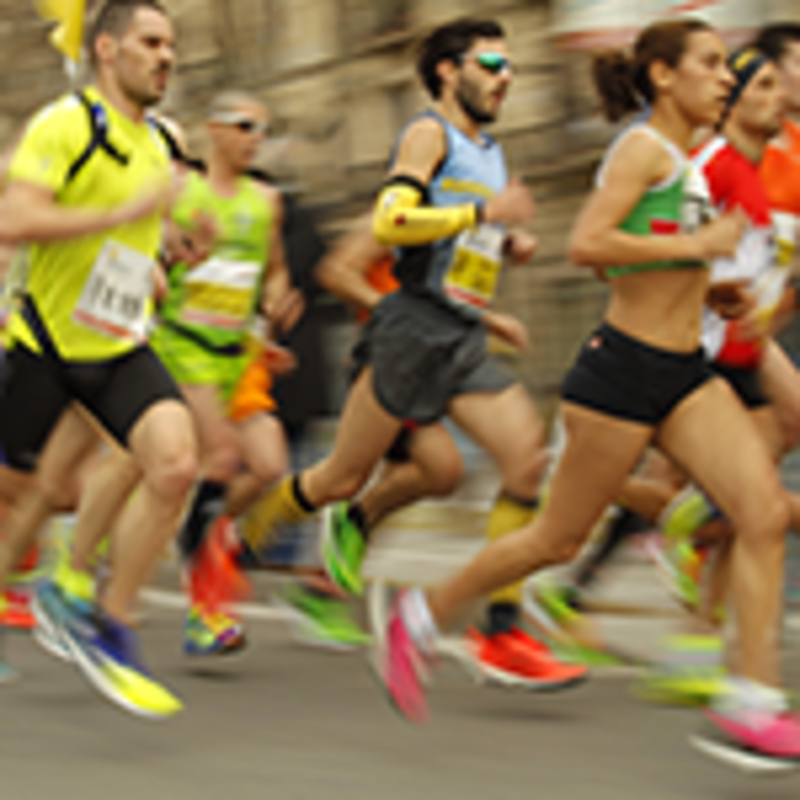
{"x":448,"y":207}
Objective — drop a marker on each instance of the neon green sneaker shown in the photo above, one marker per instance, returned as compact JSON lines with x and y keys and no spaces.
{"x":342,"y":548}
{"x":322,"y":621}
{"x":686,"y":513}
{"x":689,"y":672}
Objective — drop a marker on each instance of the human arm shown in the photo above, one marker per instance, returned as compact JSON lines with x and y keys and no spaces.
{"x":344,"y":268}
{"x":639,"y":162}
{"x":401,"y":216}
{"x":281,"y":303}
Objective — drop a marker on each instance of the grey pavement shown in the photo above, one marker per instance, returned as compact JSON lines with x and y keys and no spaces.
{"x":285,"y":722}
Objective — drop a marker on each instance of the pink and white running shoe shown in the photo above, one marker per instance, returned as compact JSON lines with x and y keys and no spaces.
{"x":401,"y":666}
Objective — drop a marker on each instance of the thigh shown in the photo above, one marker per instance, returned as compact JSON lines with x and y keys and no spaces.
{"x":33,"y":399}
{"x":262,"y":443}
{"x":713,"y":437}
{"x":213,"y":428}
{"x":780,"y":381}
{"x":599,"y":453}
{"x":506,"y":423}
{"x":119,"y":392}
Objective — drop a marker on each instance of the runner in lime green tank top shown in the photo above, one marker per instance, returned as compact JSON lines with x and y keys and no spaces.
{"x":206,"y":319}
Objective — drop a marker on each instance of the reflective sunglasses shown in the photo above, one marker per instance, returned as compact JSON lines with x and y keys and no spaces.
{"x":242,"y":123}
{"x":494,"y":63}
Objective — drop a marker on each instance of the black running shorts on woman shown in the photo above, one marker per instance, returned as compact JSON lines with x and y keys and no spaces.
{"x":622,"y":377}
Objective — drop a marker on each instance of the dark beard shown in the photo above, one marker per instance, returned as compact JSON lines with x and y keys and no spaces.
{"x":464,"y":95}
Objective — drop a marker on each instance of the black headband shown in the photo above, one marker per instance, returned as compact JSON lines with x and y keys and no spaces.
{"x":744,"y":64}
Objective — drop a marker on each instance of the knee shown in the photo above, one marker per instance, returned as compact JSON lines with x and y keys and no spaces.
{"x":221,"y":462}
{"x":444,"y":480}
{"x":769,"y":518}
{"x":60,"y":495}
{"x":270,"y":467}
{"x":173,"y":473}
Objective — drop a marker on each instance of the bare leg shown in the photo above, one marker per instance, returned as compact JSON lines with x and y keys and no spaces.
{"x":599,"y":455}
{"x":738,"y":474}
{"x":163,"y":444}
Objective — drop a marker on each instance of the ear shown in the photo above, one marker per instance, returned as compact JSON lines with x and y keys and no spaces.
{"x":660,"y":76}
{"x":105,"y":47}
{"x":447,"y":71}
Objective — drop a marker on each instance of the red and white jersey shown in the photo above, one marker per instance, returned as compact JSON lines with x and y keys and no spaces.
{"x":734,"y":181}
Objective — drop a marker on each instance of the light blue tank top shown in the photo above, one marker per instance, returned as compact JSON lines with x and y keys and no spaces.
{"x":461,"y":271}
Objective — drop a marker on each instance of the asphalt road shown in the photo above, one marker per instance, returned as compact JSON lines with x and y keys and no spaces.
{"x":287,"y":723}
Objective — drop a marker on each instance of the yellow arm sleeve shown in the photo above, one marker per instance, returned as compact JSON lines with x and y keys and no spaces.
{"x":400,"y":220}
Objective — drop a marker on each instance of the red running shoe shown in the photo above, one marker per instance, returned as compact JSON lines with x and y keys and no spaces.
{"x":515,"y":659}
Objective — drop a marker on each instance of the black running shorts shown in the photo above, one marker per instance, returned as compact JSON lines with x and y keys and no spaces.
{"x":38,"y":388}
{"x":622,"y":377}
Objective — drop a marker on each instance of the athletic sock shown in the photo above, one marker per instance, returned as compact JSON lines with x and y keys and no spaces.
{"x":208,"y":504}
{"x":283,"y":504}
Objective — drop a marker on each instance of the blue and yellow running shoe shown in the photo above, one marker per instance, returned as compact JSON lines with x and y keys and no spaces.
{"x":107,"y":653}
{"x":342,"y":548}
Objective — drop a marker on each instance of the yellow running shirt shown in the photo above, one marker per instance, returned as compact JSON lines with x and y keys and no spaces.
{"x":94,"y":293}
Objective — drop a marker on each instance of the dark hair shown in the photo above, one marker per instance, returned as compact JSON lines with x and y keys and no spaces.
{"x":114,"y":17}
{"x":623,"y":81}
{"x":774,"y":40}
{"x":449,"y":43}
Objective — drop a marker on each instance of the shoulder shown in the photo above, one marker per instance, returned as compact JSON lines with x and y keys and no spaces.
{"x":638,"y":153}
{"x":271,"y":196}
{"x":425,"y":129}
{"x":64,"y":118}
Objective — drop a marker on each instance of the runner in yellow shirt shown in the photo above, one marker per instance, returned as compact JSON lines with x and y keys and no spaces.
{"x":87,"y":192}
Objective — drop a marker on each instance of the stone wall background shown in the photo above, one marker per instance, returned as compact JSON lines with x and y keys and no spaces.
{"x":338,"y":78}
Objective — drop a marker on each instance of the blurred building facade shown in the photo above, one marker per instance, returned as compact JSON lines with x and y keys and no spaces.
{"x":338,"y":78}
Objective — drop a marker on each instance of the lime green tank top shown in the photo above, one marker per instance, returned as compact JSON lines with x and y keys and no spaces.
{"x":217,"y":299}
{"x":679,"y":204}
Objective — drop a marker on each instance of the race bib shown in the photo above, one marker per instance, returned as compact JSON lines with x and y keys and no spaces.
{"x":114,"y":300}
{"x":219,"y":293}
{"x":475,"y":268}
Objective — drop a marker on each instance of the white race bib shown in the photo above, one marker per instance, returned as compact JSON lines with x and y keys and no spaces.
{"x":474,"y":271}
{"x":114,"y":300}
{"x":220,"y":293}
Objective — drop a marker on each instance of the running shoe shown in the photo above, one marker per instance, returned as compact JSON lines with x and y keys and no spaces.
{"x":689,"y":672}
{"x":401,"y":667}
{"x":515,"y":659}
{"x":342,"y":548}
{"x":7,"y":672}
{"x":107,"y":653}
{"x":680,"y":565}
{"x":16,"y":610}
{"x":322,"y":621}
{"x":212,"y":632}
{"x":757,"y":742}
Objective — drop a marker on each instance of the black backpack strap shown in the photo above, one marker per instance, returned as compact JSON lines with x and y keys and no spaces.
{"x":233,"y":349}
{"x":98,"y":122}
{"x":37,"y":327}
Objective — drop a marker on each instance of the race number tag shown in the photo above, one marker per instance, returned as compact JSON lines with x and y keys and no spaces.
{"x":475,"y":268}
{"x":114,"y":300}
{"x":220,"y":293}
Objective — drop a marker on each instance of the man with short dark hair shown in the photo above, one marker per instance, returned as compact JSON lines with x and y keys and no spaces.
{"x":88,"y":188}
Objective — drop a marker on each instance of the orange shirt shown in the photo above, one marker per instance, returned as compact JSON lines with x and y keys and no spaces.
{"x":780,"y":172}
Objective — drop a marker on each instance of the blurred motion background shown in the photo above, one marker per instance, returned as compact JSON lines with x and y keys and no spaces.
{"x":338,"y":78}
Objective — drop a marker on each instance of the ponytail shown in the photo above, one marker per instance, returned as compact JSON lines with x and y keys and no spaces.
{"x":613,"y":76}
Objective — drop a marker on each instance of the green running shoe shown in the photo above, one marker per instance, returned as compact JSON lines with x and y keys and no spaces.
{"x":342,"y":548}
{"x":321,"y":621}
{"x":689,"y":672}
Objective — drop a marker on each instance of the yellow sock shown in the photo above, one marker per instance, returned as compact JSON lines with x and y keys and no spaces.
{"x":507,"y":515}
{"x":278,"y":506}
